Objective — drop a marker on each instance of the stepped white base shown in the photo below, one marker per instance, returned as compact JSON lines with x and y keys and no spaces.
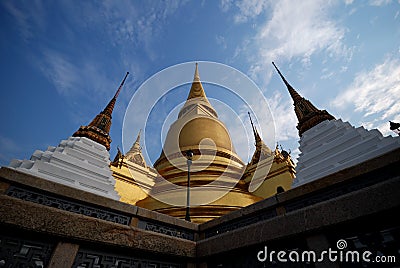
{"x":334,"y":145}
{"x":77,"y":162}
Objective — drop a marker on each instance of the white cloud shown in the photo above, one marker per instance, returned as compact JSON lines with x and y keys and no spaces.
{"x":284,"y":118}
{"x":296,"y":31}
{"x":327,"y":74}
{"x":300,"y":31}
{"x":224,"y":5}
{"x":221,"y":41}
{"x":27,"y":16}
{"x":249,"y":9}
{"x":78,"y":77}
{"x":293,"y":31}
{"x":379,"y":2}
{"x":61,"y":72}
{"x":21,"y":19}
{"x":374,"y":92}
{"x":137,"y":25}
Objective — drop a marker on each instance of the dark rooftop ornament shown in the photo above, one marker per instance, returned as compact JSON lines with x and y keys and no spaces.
{"x":99,"y":129}
{"x":395,"y":127}
{"x":307,"y":114}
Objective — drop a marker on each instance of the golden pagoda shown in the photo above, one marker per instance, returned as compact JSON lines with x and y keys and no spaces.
{"x":133,"y":177}
{"x":215,"y":176}
{"x":269,"y":172}
{"x":219,"y":180}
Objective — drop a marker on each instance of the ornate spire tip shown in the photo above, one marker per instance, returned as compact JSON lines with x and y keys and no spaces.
{"x":196,"y":73}
{"x":120,"y":86}
{"x":281,"y":75}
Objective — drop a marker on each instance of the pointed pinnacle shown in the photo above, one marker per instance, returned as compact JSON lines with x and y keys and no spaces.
{"x":281,"y":75}
{"x":293,"y":93}
{"x":196,"y":74}
{"x":120,"y":86}
{"x":138,"y":137}
{"x":197,"y":91}
{"x":255,"y":132}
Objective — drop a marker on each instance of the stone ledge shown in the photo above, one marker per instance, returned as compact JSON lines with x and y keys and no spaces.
{"x":71,"y":226}
{"x":265,"y":204}
{"x":344,"y":175}
{"x":349,"y":207}
{"x":15,"y":177}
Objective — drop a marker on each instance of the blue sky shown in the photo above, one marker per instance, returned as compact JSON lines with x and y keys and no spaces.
{"x":61,"y":62}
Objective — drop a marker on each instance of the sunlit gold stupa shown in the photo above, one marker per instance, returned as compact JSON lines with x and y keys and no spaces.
{"x":216,"y":187}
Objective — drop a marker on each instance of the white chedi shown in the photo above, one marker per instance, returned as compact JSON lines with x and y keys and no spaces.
{"x":334,"y":145}
{"x":76,"y":162}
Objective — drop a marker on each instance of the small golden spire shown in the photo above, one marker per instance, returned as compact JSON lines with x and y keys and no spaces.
{"x":135,"y":152}
{"x":196,"y":73}
{"x":197,"y":96}
{"x":197,"y":90}
{"x":136,"y":146}
{"x":262,"y":151}
{"x":255,"y":132}
{"x":307,"y":114}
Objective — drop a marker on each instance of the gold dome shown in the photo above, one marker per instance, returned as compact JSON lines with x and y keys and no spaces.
{"x":200,"y":133}
{"x":198,"y":129}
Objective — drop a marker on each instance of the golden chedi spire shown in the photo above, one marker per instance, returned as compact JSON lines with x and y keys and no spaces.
{"x":215,"y":171}
{"x":262,"y":150}
{"x":98,"y":130}
{"x":197,"y":90}
{"x":197,"y":98}
{"x":135,"y":153}
{"x":268,"y":170}
{"x":307,"y":114}
{"x":118,"y":159}
{"x":136,"y":145}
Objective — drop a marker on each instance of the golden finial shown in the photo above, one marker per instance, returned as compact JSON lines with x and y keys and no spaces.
{"x":196,"y":73}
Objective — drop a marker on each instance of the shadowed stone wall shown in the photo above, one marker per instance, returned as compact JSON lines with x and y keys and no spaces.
{"x":44,"y":224}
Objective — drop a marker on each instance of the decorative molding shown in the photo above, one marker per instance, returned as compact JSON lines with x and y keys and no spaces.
{"x":96,"y":259}
{"x":17,"y":252}
{"x":67,"y":205}
{"x":164,"y":229}
{"x":241,"y":222}
{"x":315,"y":197}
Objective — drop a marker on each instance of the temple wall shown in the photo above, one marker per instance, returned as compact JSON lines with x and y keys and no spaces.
{"x":58,"y":226}
{"x":46,"y":224}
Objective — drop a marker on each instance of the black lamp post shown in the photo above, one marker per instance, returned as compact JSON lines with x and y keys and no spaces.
{"x":189,"y":155}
